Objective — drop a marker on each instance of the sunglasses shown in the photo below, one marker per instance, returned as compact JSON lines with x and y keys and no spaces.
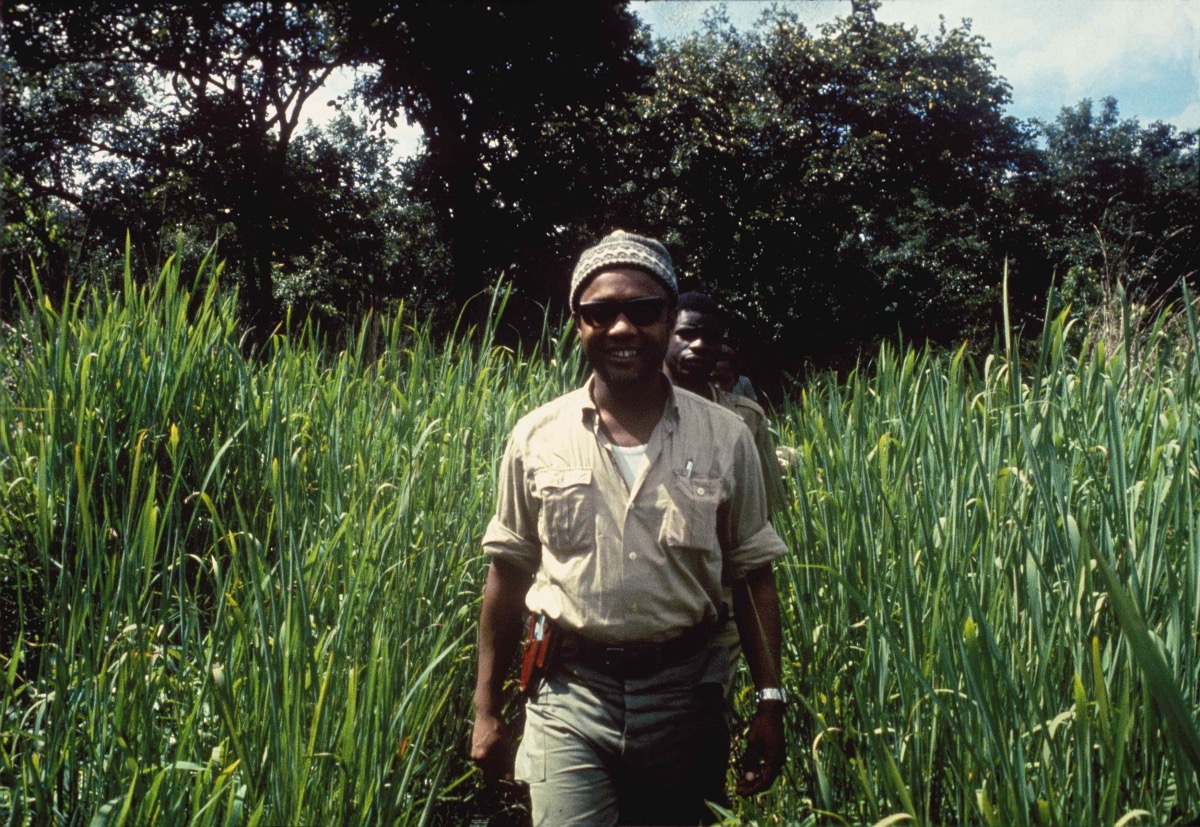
{"x":641,"y":312}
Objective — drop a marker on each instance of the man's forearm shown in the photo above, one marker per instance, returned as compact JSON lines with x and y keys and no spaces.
{"x":499,"y":632}
{"x":756,"y":610}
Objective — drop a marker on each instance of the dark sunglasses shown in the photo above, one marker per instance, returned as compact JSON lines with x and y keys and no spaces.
{"x":641,"y":312}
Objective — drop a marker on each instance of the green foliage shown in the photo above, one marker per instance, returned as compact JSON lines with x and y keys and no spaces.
{"x":255,"y":581}
{"x":246,"y":591}
{"x":139,"y":114}
{"x":1124,"y":204}
{"x":355,"y":240}
{"x":952,"y":527}
{"x":833,"y":186}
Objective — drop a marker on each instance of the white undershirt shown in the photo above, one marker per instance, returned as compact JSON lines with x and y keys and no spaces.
{"x":631,"y":461}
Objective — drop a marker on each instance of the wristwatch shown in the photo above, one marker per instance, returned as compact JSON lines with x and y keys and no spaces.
{"x":771,"y":693}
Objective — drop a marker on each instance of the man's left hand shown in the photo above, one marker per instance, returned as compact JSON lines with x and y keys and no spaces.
{"x":765,"y":750}
{"x":491,"y":748}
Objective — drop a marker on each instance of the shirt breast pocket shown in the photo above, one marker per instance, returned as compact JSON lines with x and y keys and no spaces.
{"x":690,"y":520}
{"x":567,"y":521}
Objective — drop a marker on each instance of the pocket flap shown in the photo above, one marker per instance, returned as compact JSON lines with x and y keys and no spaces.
{"x":561,"y":477}
{"x":706,"y":488}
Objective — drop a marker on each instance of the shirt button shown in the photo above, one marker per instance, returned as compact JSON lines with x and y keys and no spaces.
{"x":633,"y":555}
{"x":700,"y":490}
{"x":633,"y":608}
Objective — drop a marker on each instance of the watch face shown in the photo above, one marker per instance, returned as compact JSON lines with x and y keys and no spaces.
{"x":771,"y":694}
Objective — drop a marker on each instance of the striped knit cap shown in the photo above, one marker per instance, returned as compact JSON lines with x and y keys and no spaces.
{"x":622,"y":249}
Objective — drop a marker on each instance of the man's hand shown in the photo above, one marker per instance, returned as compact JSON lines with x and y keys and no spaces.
{"x":756,"y":609}
{"x":499,"y":634}
{"x":492,"y":748}
{"x":765,"y":750}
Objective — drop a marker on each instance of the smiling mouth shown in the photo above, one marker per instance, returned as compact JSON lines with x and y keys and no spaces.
{"x":624,"y":353}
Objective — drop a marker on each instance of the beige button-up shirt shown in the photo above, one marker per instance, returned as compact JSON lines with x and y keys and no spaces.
{"x":624,"y":565}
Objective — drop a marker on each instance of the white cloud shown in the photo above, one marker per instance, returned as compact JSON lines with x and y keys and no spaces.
{"x":1125,"y":40}
{"x":1188,"y":119}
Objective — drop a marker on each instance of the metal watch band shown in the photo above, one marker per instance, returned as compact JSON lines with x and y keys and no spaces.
{"x":771,"y":693}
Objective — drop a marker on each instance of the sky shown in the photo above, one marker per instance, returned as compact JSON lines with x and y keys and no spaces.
{"x":1054,"y":53}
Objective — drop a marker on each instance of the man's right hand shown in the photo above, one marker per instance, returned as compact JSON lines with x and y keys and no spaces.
{"x":765,"y":750}
{"x":492,"y":748}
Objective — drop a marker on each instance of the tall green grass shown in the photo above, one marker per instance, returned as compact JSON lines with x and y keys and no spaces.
{"x":255,"y":581}
{"x":996,"y":586}
{"x":244,"y":591}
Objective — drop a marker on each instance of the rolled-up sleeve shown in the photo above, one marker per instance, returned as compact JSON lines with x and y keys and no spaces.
{"x":749,"y":540}
{"x":511,"y":534}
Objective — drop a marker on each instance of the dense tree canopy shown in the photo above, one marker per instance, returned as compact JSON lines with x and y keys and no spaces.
{"x":187,"y":110}
{"x":836,"y":186}
{"x":488,"y":83}
{"x":1124,"y":202}
{"x":832,"y":187}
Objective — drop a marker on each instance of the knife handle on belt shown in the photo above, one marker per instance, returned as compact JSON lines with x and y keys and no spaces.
{"x":541,"y":639}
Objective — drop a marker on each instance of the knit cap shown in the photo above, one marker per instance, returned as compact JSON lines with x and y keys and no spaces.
{"x":622,"y":249}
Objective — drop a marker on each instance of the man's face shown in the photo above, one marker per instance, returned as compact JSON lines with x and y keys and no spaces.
{"x":625,"y":352}
{"x":723,"y":375}
{"x":694,"y":347}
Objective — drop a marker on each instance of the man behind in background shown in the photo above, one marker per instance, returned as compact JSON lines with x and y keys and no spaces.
{"x":697,"y":343}
{"x":726,"y":376}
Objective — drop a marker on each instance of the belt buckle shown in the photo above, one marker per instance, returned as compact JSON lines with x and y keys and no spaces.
{"x":613,"y":658}
{"x":631,"y":661}
{"x":641,"y":661}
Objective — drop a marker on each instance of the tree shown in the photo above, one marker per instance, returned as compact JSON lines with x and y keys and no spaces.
{"x":834,"y":187}
{"x":50,"y":114}
{"x":1125,"y":201}
{"x":354,"y":237}
{"x":163,"y":107}
{"x":489,"y":83}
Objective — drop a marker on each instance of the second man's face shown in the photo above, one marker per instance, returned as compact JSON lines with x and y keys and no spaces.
{"x":694,"y":347}
{"x":624,"y":322}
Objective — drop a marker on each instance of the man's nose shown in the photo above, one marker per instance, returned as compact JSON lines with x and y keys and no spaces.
{"x":621,"y":325}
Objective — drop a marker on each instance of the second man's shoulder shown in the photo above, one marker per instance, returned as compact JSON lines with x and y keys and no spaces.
{"x":693,"y":405}
{"x":747,"y":409}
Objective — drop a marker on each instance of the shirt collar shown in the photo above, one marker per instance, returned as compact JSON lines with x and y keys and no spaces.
{"x":590,"y":414}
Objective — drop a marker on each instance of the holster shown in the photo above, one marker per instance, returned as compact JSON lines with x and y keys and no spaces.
{"x":541,"y":646}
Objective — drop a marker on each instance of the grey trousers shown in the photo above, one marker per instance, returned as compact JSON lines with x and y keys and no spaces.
{"x":602,"y":751}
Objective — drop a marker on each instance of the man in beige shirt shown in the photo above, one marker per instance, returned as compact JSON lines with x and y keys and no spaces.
{"x":622,"y":509}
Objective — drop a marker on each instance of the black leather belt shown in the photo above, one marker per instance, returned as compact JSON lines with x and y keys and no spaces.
{"x":636,"y":660}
